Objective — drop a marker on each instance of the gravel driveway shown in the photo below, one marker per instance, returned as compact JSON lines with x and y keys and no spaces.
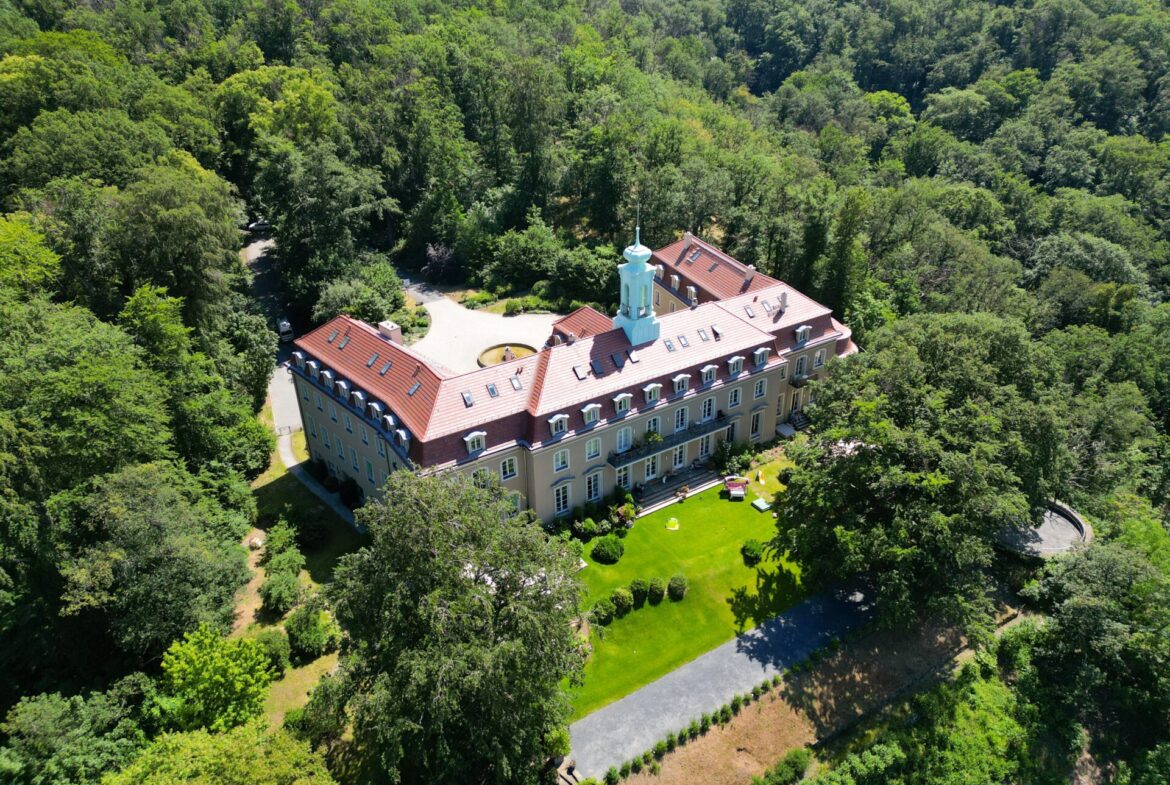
{"x":459,"y":334}
{"x":632,"y":725}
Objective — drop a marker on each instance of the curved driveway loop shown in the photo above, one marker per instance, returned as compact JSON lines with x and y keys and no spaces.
{"x":458,"y":335}
{"x":631,"y":725}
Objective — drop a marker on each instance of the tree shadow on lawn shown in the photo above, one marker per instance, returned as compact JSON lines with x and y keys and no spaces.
{"x":776,"y":590}
{"x":287,"y":497}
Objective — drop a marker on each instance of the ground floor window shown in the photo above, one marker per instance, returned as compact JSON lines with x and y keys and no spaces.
{"x":593,"y":487}
{"x":705,"y":446}
{"x":623,"y":477}
{"x":561,"y":499}
{"x":680,"y":456}
{"x":731,"y":433}
{"x":651,"y":467}
{"x":756,"y":418}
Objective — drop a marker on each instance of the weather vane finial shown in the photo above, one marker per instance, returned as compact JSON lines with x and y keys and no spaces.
{"x":638,"y":225}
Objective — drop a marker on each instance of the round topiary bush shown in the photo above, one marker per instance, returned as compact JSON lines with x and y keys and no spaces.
{"x":623,"y":601}
{"x":607,"y":550}
{"x":639,"y":588}
{"x":602,"y":612}
{"x":656,"y":590}
{"x":752,"y":552}
{"x":678,"y":587}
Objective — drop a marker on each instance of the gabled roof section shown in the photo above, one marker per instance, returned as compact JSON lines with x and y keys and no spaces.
{"x":582,"y":323}
{"x":560,"y":388}
{"x":345,"y":346}
{"x":715,"y":274}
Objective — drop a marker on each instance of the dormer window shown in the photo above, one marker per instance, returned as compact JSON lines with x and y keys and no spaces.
{"x":342,"y":389}
{"x":735,"y":365}
{"x":374,"y":410}
{"x":327,"y":379}
{"x":314,"y":368}
{"x":653,"y":392}
{"x":621,"y":403}
{"x":299,"y":359}
{"x":358,"y":399}
{"x":692,"y":294}
{"x":475,"y":441}
{"x":558,"y":424}
{"x":674,"y":282}
{"x":708,"y":372}
{"x":403,"y":437}
{"x":681,"y":382}
{"x":591,"y":412}
{"x":761,"y":355}
{"x":803,"y":333}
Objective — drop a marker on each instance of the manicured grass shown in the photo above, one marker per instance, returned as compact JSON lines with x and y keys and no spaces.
{"x":725,"y":597}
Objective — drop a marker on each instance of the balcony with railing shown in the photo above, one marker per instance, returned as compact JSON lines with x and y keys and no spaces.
{"x":668,"y":442}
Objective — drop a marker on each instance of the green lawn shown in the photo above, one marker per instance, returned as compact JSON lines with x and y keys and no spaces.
{"x":725,"y":597}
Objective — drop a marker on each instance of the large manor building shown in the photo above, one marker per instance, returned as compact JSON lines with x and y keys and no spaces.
{"x":703,"y":348}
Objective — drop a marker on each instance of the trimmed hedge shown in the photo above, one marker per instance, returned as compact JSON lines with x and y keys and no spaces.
{"x":678,"y":587}
{"x":608,"y":549}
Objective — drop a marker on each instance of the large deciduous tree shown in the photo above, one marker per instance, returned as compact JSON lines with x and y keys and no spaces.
{"x":925,"y":448}
{"x":458,"y":616}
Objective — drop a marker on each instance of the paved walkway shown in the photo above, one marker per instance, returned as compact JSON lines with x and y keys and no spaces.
{"x":632,"y":725}
{"x":458,"y":334}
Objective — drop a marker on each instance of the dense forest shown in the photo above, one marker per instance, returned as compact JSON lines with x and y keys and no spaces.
{"x":981,"y":190}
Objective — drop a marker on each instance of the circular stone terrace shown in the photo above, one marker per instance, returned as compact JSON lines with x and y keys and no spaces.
{"x":1061,"y":530}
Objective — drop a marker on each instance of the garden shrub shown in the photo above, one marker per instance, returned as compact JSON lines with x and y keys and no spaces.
{"x":705,"y":723}
{"x":280,"y":538}
{"x":681,"y":739}
{"x":512,"y":307}
{"x":655,"y":769}
{"x":625,"y":770}
{"x":275,"y":644}
{"x":647,"y":756}
{"x":752,"y":552}
{"x":660,"y":749}
{"x":725,"y":714}
{"x":311,"y":632}
{"x":280,"y":592}
{"x":777,"y":680}
{"x":757,"y":691}
{"x":671,"y":743}
{"x":636,"y":765}
{"x":608,"y":549}
{"x":736,"y":704}
{"x":639,"y":588}
{"x":613,"y":776}
{"x":678,"y":587}
{"x":656,"y":590}
{"x":588,"y":529}
{"x":556,"y":742}
{"x":789,"y":771}
{"x":694,"y":729}
{"x":603,"y":612}
{"x":289,"y":561}
{"x":623,"y":601}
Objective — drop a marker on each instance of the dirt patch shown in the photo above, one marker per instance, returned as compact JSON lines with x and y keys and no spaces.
{"x":811,"y":706}
{"x":248,"y":601}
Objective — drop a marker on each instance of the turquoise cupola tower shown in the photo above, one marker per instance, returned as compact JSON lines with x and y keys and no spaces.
{"x":636,"y":312}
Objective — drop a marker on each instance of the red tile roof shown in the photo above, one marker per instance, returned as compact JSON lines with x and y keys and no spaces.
{"x":715,"y":274}
{"x":583,"y":322}
{"x":594,"y":368}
